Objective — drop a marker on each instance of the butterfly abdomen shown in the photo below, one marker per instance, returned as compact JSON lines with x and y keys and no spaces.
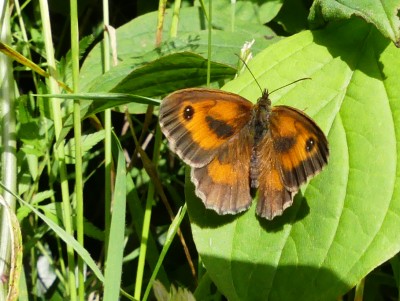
{"x":254,"y":164}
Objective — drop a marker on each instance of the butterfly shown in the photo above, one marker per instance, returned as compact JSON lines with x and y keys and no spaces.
{"x":233,"y":145}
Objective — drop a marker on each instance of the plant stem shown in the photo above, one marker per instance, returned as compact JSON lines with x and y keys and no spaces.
{"x":107,"y":128}
{"x":8,"y":143}
{"x":59,"y":150}
{"x":78,"y":142}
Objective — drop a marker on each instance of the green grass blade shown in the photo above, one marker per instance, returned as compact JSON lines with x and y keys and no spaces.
{"x":115,"y":248}
{"x":173,"y":228}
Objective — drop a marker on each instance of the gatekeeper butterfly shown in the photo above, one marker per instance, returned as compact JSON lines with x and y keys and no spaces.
{"x":232,"y":145}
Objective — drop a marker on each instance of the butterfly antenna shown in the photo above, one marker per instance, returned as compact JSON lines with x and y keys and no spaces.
{"x":243,"y":61}
{"x":258,"y":84}
{"x":304,"y":78}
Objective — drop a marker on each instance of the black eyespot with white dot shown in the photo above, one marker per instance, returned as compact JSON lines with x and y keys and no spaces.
{"x":310,"y":144}
{"x":188,"y":112}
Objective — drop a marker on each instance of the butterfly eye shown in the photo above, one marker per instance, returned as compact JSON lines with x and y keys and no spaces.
{"x":188,"y":112}
{"x":310,"y":143}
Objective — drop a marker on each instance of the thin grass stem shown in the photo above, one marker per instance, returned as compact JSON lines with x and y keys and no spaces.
{"x":59,"y":151}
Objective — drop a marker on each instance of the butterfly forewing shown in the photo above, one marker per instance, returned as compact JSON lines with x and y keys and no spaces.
{"x":300,"y":146}
{"x":199,"y":121}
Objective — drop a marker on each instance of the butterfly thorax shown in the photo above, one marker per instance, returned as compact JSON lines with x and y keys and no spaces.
{"x":260,"y":117}
{"x":259,"y":123}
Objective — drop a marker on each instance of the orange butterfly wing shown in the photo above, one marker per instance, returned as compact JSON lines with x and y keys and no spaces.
{"x":208,"y":130}
{"x":294,"y":150}
{"x":197,"y":122}
{"x":223,"y":184}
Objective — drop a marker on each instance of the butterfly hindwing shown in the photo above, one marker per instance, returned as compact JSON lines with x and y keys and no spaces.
{"x":223,"y":184}
{"x":273,"y":195}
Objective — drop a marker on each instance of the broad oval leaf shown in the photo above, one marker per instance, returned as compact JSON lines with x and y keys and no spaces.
{"x":345,"y":222}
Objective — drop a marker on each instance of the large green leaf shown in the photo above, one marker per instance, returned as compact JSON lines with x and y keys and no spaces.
{"x":383,"y":14}
{"x":345,"y":222}
{"x":245,"y":12}
{"x":136,"y":42}
{"x":170,"y":72}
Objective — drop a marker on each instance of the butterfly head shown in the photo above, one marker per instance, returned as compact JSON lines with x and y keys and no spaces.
{"x":264,"y":99}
